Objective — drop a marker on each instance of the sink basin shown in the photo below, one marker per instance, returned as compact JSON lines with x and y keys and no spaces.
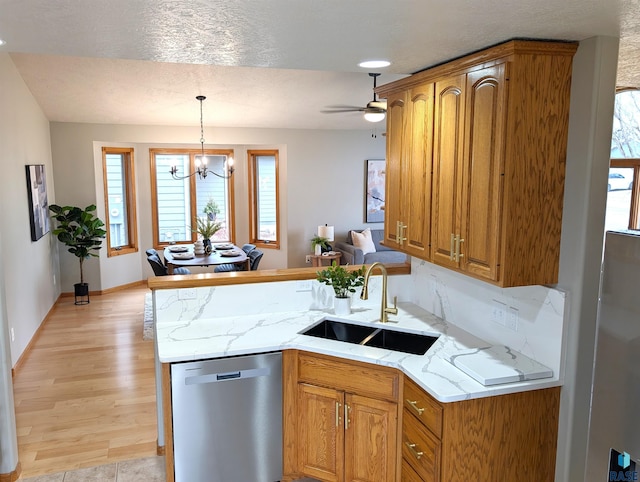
{"x":339,"y":330}
{"x":371,"y":336}
{"x":402,"y":341}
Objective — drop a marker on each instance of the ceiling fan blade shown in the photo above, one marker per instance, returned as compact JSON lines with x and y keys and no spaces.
{"x":337,"y":111}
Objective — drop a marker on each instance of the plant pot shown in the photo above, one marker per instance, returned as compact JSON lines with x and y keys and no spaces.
{"x":342,"y":306}
{"x":81,"y":291}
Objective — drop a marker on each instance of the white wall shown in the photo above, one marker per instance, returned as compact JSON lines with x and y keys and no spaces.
{"x":28,"y":269}
{"x":322,"y":180}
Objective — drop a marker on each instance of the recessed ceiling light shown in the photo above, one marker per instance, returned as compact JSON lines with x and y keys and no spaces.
{"x":2,"y":42}
{"x":374,"y":64}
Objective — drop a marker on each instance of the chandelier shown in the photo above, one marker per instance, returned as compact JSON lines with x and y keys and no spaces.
{"x":201,"y":161}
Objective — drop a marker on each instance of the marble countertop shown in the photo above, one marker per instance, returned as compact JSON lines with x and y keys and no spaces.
{"x":206,"y":337}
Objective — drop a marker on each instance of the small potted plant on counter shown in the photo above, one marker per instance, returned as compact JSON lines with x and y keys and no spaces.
{"x":344,"y":282}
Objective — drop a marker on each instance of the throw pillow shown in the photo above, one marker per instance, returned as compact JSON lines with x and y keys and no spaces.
{"x":363,"y":241}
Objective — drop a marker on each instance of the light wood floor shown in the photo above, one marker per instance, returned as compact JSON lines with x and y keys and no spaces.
{"x":85,"y":393}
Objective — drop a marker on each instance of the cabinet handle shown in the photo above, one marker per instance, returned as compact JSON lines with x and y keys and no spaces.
{"x":412,"y":448}
{"x":337,"y":414}
{"x":402,"y":237}
{"x":414,"y":405}
{"x":398,"y":232}
{"x":347,"y":409}
{"x":458,"y":253}
{"x":452,"y":247}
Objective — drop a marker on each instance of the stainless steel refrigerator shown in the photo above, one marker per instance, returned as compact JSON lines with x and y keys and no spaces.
{"x":614,"y":429}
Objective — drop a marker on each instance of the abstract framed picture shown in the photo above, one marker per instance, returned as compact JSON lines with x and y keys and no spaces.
{"x":374,"y":185}
{"x":38,"y":203}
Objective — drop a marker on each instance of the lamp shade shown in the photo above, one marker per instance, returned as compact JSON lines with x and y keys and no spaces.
{"x":326,"y":232}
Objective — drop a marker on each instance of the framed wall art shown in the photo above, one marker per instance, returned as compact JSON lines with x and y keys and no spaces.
{"x":374,"y":185}
{"x":38,"y":204}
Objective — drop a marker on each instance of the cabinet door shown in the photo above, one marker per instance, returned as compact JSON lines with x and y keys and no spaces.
{"x":371,"y":428}
{"x":416,"y":174}
{"x":396,"y":155}
{"x":448,"y":145}
{"x":483,"y":171}
{"x":321,"y":435}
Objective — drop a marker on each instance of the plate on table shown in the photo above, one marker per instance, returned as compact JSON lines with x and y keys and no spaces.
{"x":231,"y":253}
{"x":178,"y":249}
{"x":223,"y":246}
{"x":182,"y":255}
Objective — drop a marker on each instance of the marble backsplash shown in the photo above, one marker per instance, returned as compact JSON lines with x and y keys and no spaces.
{"x":471,"y":304}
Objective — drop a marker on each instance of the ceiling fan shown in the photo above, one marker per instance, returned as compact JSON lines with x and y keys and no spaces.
{"x":374,"y":111}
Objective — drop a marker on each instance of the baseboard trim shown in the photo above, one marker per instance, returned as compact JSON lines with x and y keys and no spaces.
{"x":11,"y":476}
{"x":109,"y":290}
{"x":35,"y":336}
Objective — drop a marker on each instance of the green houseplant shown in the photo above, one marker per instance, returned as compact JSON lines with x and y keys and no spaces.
{"x":211,"y":209}
{"x":318,"y":244}
{"x":344,"y":282}
{"x":206,"y":228}
{"x":82,"y":232}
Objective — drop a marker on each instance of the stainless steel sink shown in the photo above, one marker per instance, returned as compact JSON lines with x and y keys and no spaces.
{"x":395,"y":340}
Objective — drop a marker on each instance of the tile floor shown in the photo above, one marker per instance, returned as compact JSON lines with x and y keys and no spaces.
{"x":149,"y":469}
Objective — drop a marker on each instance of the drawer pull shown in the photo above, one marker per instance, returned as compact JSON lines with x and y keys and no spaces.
{"x":414,"y":405}
{"x":412,"y":448}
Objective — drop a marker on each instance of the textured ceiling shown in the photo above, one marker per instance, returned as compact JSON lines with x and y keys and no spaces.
{"x":274,"y":63}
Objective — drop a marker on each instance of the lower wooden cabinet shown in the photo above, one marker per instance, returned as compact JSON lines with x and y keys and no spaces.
{"x":357,"y":422}
{"x":343,"y":428}
{"x":506,"y":437}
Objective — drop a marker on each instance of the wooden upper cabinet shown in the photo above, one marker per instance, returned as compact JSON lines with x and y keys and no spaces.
{"x":482,"y":170}
{"x":447,"y":168}
{"x":408,"y":188}
{"x":396,"y":152}
{"x":500,"y":126}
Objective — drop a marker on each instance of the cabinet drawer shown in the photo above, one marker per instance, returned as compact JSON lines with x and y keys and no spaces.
{"x":408,"y":474}
{"x":423,"y":407}
{"x":420,"y":449}
{"x":350,"y":376}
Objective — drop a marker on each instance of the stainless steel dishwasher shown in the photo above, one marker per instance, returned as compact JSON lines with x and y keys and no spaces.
{"x":227,"y":419}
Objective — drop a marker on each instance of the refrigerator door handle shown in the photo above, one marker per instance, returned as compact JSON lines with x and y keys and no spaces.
{"x":229,"y":376}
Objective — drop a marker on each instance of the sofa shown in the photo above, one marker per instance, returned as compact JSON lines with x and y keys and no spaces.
{"x":355,"y":255}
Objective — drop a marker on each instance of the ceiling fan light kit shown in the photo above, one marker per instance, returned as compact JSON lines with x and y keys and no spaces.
{"x":375,"y":111}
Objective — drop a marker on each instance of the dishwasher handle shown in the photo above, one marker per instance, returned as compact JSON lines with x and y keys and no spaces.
{"x":227,"y":376}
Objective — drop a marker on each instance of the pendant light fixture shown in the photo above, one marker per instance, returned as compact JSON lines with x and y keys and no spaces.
{"x":201,"y":161}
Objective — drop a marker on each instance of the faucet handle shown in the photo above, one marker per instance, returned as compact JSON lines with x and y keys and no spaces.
{"x":394,"y":310}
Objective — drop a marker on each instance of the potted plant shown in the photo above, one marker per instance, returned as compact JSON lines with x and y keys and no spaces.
{"x":206,"y":228}
{"x":319,"y":244}
{"x":211,"y":209}
{"x":344,"y":282}
{"x":82,"y":232}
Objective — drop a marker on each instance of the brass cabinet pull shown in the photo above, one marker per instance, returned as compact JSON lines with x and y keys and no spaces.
{"x":412,"y":448}
{"x":402,"y":238}
{"x":414,"y":405}
{"x":452,"y":247}
{"x":460,"y":255}
{"x":347,"y":408}
{"x":337,"y":414}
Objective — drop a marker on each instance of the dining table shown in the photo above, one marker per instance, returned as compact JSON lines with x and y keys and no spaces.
{"x":183,"y":256}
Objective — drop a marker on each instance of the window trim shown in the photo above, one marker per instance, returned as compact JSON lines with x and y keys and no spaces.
{"x":253,"y":196}
{"x":130,"y":200}
{"x":192,"y":191}
{"x":634,"y":212}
